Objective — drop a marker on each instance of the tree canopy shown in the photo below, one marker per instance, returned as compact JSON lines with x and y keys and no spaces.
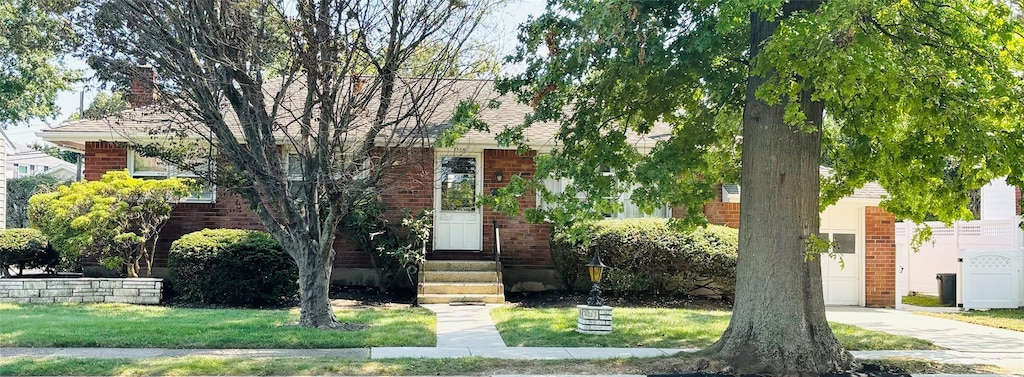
{"x":925,"y":95}
{"x":915,"y":88}
{"x":35,"y":35}
{"x":104,"y":105}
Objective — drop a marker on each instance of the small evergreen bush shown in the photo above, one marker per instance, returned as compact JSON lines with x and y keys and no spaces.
{"x":25,"y":248}
{"x":232,"y":267}
{"x":648,"y":256}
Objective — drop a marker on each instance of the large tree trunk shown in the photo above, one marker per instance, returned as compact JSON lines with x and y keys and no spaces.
{"x":778,"y":323}
{"x":314,"y":286}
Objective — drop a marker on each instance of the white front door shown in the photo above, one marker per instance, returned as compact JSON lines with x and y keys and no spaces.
{"x":841,"y":274}
{"x":458,"y":222}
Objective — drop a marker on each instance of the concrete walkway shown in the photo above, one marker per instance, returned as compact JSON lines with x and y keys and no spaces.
{"x":945,"y":333}
{"x":468,"y":326}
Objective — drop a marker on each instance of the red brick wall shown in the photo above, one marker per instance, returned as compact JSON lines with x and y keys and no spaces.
{"x":523,"y":244}
{"x":879,"y":258}
{"x":407,"y":186}
{"x":101,"y":157}
{"x":1018,"y":200}
{"x":229,"y":210}
{"x":720,"y":213}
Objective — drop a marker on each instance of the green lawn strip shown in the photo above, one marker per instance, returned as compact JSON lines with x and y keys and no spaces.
{"x":138,"y":326}
{"x":212,"y":366}
{"x":659,"y":328}
{"x":1010,"y":319}
{"x":922,"y":300}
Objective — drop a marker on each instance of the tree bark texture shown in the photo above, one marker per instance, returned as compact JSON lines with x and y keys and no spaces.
{"x":778,"y":323}
{"x":315,"y":266}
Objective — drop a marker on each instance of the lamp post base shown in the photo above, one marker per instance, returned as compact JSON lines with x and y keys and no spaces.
{"x":595,"y":320}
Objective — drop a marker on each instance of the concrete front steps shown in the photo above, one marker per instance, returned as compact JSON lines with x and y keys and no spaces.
{"x":443,"y":282}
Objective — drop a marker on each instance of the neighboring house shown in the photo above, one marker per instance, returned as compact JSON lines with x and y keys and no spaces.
{"x":445,"y":179}
{"x":863,"y":271}
{"x":23,"y":161}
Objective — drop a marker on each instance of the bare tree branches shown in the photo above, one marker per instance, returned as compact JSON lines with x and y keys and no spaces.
{"x":310,"y":102}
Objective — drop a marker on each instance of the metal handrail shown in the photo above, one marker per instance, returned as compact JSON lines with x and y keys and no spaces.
{"x":497,"y":245}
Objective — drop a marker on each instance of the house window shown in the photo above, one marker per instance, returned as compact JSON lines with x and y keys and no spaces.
{"x":629,"y":209}
{"x":296,"y":180}
{"x":842,"y":243}
{"x":153,"y":168}
{"x":458,"y":184}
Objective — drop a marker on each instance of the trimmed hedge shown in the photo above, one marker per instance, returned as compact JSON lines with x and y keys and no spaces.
{"x":26,"y":248}
{"x":648,"y":256}
{"x":232,"y":267}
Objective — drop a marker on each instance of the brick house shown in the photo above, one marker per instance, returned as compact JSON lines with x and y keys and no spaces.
{"x":866,"y":239}
{"x":463,"y":232}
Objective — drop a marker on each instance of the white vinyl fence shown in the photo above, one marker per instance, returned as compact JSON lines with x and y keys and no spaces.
{"x":916,"y":271}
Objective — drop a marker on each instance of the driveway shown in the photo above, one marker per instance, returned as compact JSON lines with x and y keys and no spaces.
{"x":945,"y":333}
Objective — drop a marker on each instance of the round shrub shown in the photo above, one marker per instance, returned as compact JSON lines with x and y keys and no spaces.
{"x":648,"y":256}
{"x":25,"y":248}
{"x":232,"y":267}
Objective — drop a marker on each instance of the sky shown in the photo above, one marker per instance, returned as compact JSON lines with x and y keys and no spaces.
{"x":501,"y":26}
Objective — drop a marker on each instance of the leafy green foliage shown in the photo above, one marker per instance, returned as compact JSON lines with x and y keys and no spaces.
{"x":116,"y":219}
{"x":649,"y":256}
{"x":35,"y":34}
{"x":913,"y":89}
{"x":396,"y":251}
{"x":104,"y":105}
{"x":19,"y":190}
{"x":232,"y":267}
{"x":53,"y":151}
{"x":25,"y":248}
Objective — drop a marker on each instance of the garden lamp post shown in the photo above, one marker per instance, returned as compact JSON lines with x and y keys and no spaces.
{"x":596,"y":269}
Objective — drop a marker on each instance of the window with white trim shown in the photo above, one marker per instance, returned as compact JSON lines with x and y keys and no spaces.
{"x":154,"y":168}
{"x":293,"y":169}
{"x":629,"y":209}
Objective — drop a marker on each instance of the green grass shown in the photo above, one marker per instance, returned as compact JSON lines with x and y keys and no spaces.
{"x":660,"y":328}
{"x":1010,"y":319}
{"x":922,"y":300}
{"x":137,"y":326}
{"x":211,"y":366}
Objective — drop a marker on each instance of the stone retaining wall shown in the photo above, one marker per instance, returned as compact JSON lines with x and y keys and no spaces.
{"x":49,"y":291}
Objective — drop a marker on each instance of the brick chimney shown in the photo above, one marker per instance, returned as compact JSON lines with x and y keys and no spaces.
{"x":142,"y":90}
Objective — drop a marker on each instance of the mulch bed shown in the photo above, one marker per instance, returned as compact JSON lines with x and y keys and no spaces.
{"x":370,"y":297}
{"x":552,"y":299}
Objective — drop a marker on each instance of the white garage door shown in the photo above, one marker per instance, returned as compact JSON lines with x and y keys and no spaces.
{"x":841,"y":274}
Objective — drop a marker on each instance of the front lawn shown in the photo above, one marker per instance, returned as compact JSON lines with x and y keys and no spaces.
{"x":1010,"y":319}
{"x":658,"y":328}
{"x":922,"y":300}
{"x":137,"y":326}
